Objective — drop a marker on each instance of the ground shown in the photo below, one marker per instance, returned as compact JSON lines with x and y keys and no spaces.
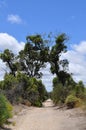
{"x":49,"y":118}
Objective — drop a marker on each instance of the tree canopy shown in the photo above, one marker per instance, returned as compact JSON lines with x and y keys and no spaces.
{"x":58,"y":66}
{"x":34,"y":56}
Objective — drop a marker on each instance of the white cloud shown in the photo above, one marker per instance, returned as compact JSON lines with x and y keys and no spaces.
{"x":14,"y":19}
{"x":77,"y":61}
{"x":81,"y":48}
{"x":9,"y":42}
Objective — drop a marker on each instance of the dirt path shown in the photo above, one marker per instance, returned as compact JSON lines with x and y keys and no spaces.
{"x":49,"y":118}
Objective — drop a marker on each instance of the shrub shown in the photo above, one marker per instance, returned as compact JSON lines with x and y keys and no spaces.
{"x":21,"y":87}
{"x":5,"y":110}
{"x":57,"y":94}
{"x":72,"y":101}
{"x":38,"y":103}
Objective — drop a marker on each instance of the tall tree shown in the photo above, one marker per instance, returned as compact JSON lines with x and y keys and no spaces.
{"x":34,"y":56}
{"x":58,"y":66}
{"x":9,"y":58}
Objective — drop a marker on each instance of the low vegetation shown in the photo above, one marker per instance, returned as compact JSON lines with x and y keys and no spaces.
{"x":72,"y":94}
{"x":23,"y":89}
{"x":72,"y":101}
{"x":5,"y":110}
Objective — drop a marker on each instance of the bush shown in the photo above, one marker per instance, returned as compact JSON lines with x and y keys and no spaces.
{"x":5,"y":110}
{"x":21,"y":87}
{"x":57,"y":94}
{"x":38,"y":103}
{"x":72,"y":101}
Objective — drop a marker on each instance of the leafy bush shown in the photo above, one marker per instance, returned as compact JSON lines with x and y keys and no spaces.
{"x":42,"y":91}
{"x":9,"y":82}
{"x":80,"y":90}
{"x":38,"y":103}
{"x":58,"y":94}
{"x":72,"y":101}
{"x":21,"y":87}
{"x":5,"y":110}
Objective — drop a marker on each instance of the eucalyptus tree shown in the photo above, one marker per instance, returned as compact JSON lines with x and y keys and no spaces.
{"x":59,"y":66}
{"x":34,"y":56}
{"x":9,"y":58}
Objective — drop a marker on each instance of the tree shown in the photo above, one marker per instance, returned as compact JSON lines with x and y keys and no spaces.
{"x":9,"y":58}
{"x":58,"y":66}
{"x":34,"y":56}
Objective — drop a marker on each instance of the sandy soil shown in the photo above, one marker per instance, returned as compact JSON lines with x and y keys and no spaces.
{"x":49,"y":118}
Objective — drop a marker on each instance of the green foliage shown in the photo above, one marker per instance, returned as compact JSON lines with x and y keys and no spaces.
{"x":1,"y":84}
{"x":10,"y":88}
{"x":8,"y":57}
{"x":61,"y":92}
{"x":36,"y":40}
{"x":34,"y":56}
{"x":38,"y":103}
{"x":42,"y":91}
{"x":55,"y":82}
{"x":5,"y":110}
{"x":9,"y":82}
{"x":36,"y":92}
{"x":73,"y":94}
{"x":57,"y":94}
{"x":20,"y":88}
{"x":80,"y":90}
{"x":72,"y":101}
{"x":58,"y":66}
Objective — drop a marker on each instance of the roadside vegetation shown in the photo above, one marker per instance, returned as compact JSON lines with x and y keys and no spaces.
{"x":5,"y":110}
{"x":65,"y":89}
{"x":71,"y":94}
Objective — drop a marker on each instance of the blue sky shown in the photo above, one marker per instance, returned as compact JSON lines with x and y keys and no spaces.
{"x":19,"y":18}
{"x":39,"y":16}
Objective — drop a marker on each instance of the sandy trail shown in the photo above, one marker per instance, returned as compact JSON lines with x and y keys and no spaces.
{"x":49,"y":118}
